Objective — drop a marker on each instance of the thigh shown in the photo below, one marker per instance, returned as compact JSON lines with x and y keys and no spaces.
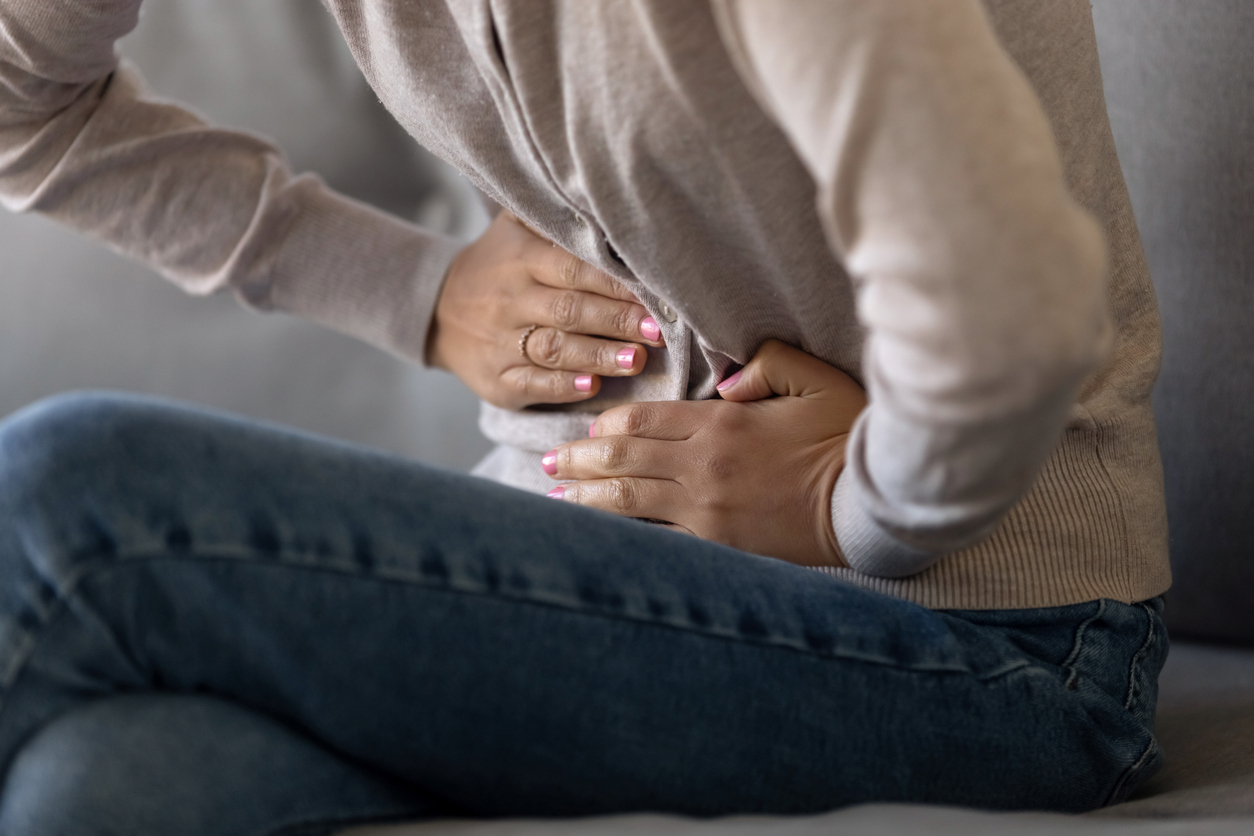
{"x":506,"y":653}
{"x":189,"y":766}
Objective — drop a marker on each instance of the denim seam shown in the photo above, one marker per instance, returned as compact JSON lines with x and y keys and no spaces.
{"x":1152,"y":745}
{"x":1069,"y":663}
{"x":1131,"y":772}
{"x":1137,"y":659}
{"x":1014,"y":667}
{"x":24,"y":646}
{"x":68,"y":588}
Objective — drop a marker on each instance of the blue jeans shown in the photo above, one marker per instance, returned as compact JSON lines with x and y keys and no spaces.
{"x":209,"y":626}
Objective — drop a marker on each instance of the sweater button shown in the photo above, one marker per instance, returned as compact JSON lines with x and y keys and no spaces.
{"x":667,"y":312}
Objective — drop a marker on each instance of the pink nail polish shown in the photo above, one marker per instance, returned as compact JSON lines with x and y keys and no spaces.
{"x":556,"y":493}
{"x":651,"y":330}
{"x":592,"y":431}
{"x":549,"y":462}
{"x":583,"y":383}
{"x":626,"y":358}
{"x":729,"y":382}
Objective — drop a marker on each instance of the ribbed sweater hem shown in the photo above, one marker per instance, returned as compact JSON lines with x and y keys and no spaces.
{"x":1068,"y":540}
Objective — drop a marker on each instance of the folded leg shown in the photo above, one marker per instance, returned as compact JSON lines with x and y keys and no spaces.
{"x":506,"y":654}
{"x":189,"y":766}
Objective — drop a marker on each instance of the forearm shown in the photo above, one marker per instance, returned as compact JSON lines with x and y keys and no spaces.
{"x":82,"y":141}
{"x":980,"y":282}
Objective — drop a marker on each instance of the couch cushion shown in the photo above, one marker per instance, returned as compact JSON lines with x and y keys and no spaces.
{"x":869,"y":820}
{"x":1178,"y":78}
{"x":1206,"y":727}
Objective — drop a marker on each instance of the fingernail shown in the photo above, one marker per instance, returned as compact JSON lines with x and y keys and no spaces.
{"x":556,"y":493}
{"x":583,"y":383}
{"x":729,"y":382}
{"x":651,"y":330}
{"x":592,"y":431}
{"x":549,"y":462}
{"x":626,"y":357}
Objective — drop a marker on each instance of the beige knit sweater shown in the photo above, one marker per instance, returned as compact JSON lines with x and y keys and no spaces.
{"x":898,"y":187}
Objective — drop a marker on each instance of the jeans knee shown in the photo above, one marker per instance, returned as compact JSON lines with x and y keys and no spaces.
{"x":164,"y":763}
{"x":81,"y":773}
{"x":42,"y":785}
{"x":65,"y":418}
{"x":63,"y":439}
{"x":58,"y":457}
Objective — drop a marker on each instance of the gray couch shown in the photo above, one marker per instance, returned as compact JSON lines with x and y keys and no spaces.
{"x":1180,"y":85}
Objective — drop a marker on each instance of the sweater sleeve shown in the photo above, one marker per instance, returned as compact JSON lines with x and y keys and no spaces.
{"x":980,"y":282}
{"x":83,"y":141}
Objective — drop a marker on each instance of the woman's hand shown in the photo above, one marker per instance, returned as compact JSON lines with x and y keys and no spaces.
{"x":752,"y":471}
{"x":511,"y":279}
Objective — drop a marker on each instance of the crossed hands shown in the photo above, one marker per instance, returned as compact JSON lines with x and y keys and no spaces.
{"x":754,"y":471}
{"x":523,"y":322}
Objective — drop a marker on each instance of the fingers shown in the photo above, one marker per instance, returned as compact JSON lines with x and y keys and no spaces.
{"x":553,"y":266}
{"x":780,"y":369}
{"x":580,"y":312}
{"x":528,"y":384}
{"x":554,"y":349}
{"x":588,"y":300}
{"x":776,"y":369}
{"x":663,"y":420}
{"x":654,"y":499}
{"x":617,"y":455}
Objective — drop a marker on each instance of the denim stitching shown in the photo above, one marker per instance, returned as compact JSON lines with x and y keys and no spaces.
{"x":1069,"y":662}
{"x":1131,"y":772}
{"x":23,"y":644}
{"x":1150,"y":640}
{"x":119,"y":560}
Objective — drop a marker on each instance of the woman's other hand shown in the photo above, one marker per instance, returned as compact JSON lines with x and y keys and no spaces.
{"x":511,"y":279}
{"x":753,"y":471}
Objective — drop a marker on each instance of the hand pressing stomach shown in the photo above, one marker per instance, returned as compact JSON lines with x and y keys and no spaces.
{"x":754,"y":470}
{"x":523,"y":322}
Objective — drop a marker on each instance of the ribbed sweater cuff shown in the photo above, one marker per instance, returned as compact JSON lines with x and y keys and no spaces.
{"x":362,"y":272}
{"x":867,"y":547}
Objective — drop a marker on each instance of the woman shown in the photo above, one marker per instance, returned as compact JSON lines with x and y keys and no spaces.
{"x":231,"y":628}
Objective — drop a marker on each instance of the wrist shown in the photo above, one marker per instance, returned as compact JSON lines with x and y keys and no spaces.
{"x":433,"y":353}
{"x":828,"y":544}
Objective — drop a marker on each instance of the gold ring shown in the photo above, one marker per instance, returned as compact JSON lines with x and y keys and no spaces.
{"x":522,"y":343}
